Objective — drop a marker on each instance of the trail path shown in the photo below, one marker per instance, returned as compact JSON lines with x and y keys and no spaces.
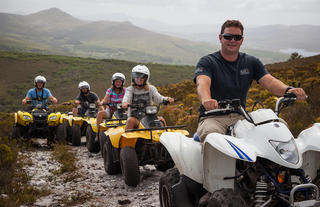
{"x":93,"y":185}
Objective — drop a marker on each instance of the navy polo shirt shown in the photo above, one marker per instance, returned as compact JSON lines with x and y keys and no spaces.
{"x":229,"y":80}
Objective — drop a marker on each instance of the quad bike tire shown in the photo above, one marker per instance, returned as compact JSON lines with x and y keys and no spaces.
{"x":167,"y":180}
{"x":16,"y":132}
{"x":111,"y":167}
{"x":130,"y":166}
{"x":225,"y":197}
{"x":62,"y":132}
{"x":75,"y":135}
{"x":92,"y":145}
{"x":102,"y":140}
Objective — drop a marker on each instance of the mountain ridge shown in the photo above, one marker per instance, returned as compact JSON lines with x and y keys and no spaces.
{"x":102,"y":39}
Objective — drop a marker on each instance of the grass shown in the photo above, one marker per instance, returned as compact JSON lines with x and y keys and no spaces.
{"x":67,"y":159}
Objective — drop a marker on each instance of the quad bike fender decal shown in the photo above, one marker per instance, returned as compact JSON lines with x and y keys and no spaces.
{"x":309,"y":139}
{"x":251,"y":147}
{"x":217,"y":166}
{"x":240,"y":153}
{"x":186,"y":154}
{"x":233,"y":147}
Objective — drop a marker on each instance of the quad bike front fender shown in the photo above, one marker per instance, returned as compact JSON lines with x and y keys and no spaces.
{"x":53,"y":119}
{"x":308,"y":143}
{"x":186,"y":154}
{"x":76,"y":120}
{"x":23,"y":118}
{"x":115,"y":135}
{"x":93,"y":123}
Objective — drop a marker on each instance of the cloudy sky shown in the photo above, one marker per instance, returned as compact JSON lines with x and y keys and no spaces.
{"x":179,"y":12}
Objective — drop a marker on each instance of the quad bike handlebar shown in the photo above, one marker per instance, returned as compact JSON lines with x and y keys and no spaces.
{"x":288,"y":99}
{"x":234,"y":106}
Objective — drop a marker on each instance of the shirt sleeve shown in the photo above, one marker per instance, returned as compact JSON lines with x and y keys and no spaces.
{"x":95,"y":97}
{"x":109,"y":91}
{"x":203,"y":68}
{"x":156,"y":96}
{"x":259,"y":69}
{"x":48,"y":93}
{"x":29,"y":94}
{"x":79,"y":98}
{"x":128,"y":95}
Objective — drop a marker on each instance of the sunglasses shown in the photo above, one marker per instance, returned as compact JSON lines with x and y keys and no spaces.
{"x":228,"y":36}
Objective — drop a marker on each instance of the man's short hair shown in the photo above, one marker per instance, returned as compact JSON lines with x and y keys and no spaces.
{"x":232,"y":23}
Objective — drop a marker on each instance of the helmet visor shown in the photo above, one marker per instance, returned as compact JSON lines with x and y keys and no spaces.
{"x":82,"y":87}
{"x":139,"y":75}
{"x":118,"y":78}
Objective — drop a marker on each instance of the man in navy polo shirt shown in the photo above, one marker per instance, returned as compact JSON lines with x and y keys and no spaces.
{"x":39,"y":94}
{"x":228,"y":74}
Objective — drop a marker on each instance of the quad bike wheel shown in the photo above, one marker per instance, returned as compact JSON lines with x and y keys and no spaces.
{"x":226,"y":197}
{"x":92,"y":145}
{"x":62,"y":132}
{"x":167,"y":180}
{"x":16,"y":132}
{"x":129,"y":166}
{"x":102,"y":140}
{"x":76,"y":135}
{"x":111,"y":167}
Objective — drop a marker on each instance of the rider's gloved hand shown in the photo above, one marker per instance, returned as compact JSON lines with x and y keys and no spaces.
{"x":210,"y":104}
{"x":24,"y":101}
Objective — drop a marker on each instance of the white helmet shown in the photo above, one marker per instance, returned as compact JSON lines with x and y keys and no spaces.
{"x":41,"y":79}
{"x":118,"y":76}
{"x":140,"y":71}
{"x":84,"y":84}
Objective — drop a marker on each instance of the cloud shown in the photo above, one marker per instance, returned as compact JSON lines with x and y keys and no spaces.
{"x":253,"y":12}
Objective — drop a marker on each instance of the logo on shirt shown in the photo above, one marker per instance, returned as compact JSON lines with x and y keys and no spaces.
{"x":244,"y":71}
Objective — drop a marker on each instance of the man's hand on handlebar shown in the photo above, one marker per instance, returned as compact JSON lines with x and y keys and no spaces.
{"x":299,"y":92}
{"x":210,"y":104}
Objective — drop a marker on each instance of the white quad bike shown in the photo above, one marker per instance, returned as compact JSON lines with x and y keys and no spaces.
{"x":257,"y":163}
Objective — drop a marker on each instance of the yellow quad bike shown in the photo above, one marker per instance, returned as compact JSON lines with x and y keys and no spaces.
{"x":127,"y":150}
{"x":39,"y":122}
{"x":118,"y":119}
{"x":91,"y":128}
{"x":73,"y":127}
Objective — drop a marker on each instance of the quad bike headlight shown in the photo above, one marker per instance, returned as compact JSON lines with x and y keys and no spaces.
{"x":53,"y":118}
{"x":287,"y":150}
{"x":26,"y":117}
{"x":92,"y":106}
{"x":151,"y":109}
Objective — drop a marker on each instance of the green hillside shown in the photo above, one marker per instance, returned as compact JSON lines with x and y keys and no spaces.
{"x":63,"y":74}
{"x":53,"y":31}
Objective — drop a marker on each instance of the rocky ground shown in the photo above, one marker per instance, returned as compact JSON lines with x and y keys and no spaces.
{"x":92,"y":185}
